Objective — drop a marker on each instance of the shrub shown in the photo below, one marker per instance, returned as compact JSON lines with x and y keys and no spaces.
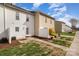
{"x":52,"y":33}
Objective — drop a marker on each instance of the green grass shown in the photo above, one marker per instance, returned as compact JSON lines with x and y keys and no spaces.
{"x":29,"y":49}
{"x":64,"y":41}
{"x":67,"y":38}
{"x":32,"y":49}
{"x":68,"y":33}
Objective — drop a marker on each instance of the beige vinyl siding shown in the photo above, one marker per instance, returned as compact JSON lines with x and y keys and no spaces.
{"x":36,"y":24}
{"x":45,"y":21}
{"x":58,"y":26}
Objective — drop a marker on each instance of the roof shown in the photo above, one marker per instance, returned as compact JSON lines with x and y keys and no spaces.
{"x":23,"y":10}
{"x":16,"y":7}
{"x":68,"y":26}
{"x":61,"y":22}
{"x":44,"y":14}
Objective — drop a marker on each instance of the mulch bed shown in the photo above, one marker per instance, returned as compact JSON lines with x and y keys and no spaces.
{"x":7,"y":45}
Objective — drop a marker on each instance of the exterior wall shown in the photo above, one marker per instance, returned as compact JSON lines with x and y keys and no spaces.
{"x":42,"y":21}
{"x":1,"y":21}
{"x":48,"y":24}
{"x":30,"y":25}
{"x":11,"y":23}
{"x":58,"y":26}
{"x":21,"y":23}
{"x":36,"y":24}
{"x":67,"y":28}
{"x":43,"y":32}
{"x":9,"y":17}
{"x":44,"y":26}
{"x":63,"y":27}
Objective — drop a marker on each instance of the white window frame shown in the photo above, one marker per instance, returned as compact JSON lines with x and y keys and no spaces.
{"x":17,"y":15}
{"x":16,"y":29}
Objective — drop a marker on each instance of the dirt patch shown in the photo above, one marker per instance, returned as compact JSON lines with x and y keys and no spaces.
{"x":7,"y":45}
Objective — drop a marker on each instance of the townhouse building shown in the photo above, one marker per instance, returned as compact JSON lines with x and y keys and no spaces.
{"x":43,"y":23}
{"x":20,"y":23}
{"x":15,"y":22}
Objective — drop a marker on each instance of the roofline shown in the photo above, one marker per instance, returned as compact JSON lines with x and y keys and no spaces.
{"x":61,"y":22}
{"x":23,"y":10}
{"x":17,"y":8}
{"x":45,"y":14}
{"x":68,"y":26}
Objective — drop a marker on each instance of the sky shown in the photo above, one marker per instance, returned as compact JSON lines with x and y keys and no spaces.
{"x":60,"y":11}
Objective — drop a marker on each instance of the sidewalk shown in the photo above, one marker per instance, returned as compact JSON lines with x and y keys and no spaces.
{"x":74,"y":49}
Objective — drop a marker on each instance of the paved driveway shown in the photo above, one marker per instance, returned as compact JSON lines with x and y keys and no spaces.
{"x":74,"y":49}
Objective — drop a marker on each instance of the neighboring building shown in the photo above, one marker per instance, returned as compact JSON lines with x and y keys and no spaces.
{"x":62,"y":27}
{"x":43,"y":23}
{"x":67,"y":28}
{"x":58,"y":26}
{"x":15,"y":22}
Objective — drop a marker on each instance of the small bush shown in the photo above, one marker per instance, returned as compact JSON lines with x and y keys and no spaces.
{"x":52,"y":33}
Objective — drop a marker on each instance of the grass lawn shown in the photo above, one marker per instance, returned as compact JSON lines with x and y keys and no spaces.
{"x":68,"y":33}
{"x":30,"y":49}
{"x":64,"y":41}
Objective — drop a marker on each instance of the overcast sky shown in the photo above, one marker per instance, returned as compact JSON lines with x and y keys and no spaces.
{"x":61,"y":11}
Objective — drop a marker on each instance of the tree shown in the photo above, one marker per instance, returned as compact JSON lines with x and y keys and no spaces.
{"x":73,"y":22}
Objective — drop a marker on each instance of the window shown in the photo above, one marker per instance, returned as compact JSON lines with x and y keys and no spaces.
{"x":17,"y":29}
{"x":27,"y":30}
{"x":27,"y":19}
{"x":17,"y":16}
{"x":45,"y":20}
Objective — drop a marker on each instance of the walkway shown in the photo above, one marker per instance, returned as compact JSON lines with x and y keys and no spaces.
{"x":74,"y":49}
